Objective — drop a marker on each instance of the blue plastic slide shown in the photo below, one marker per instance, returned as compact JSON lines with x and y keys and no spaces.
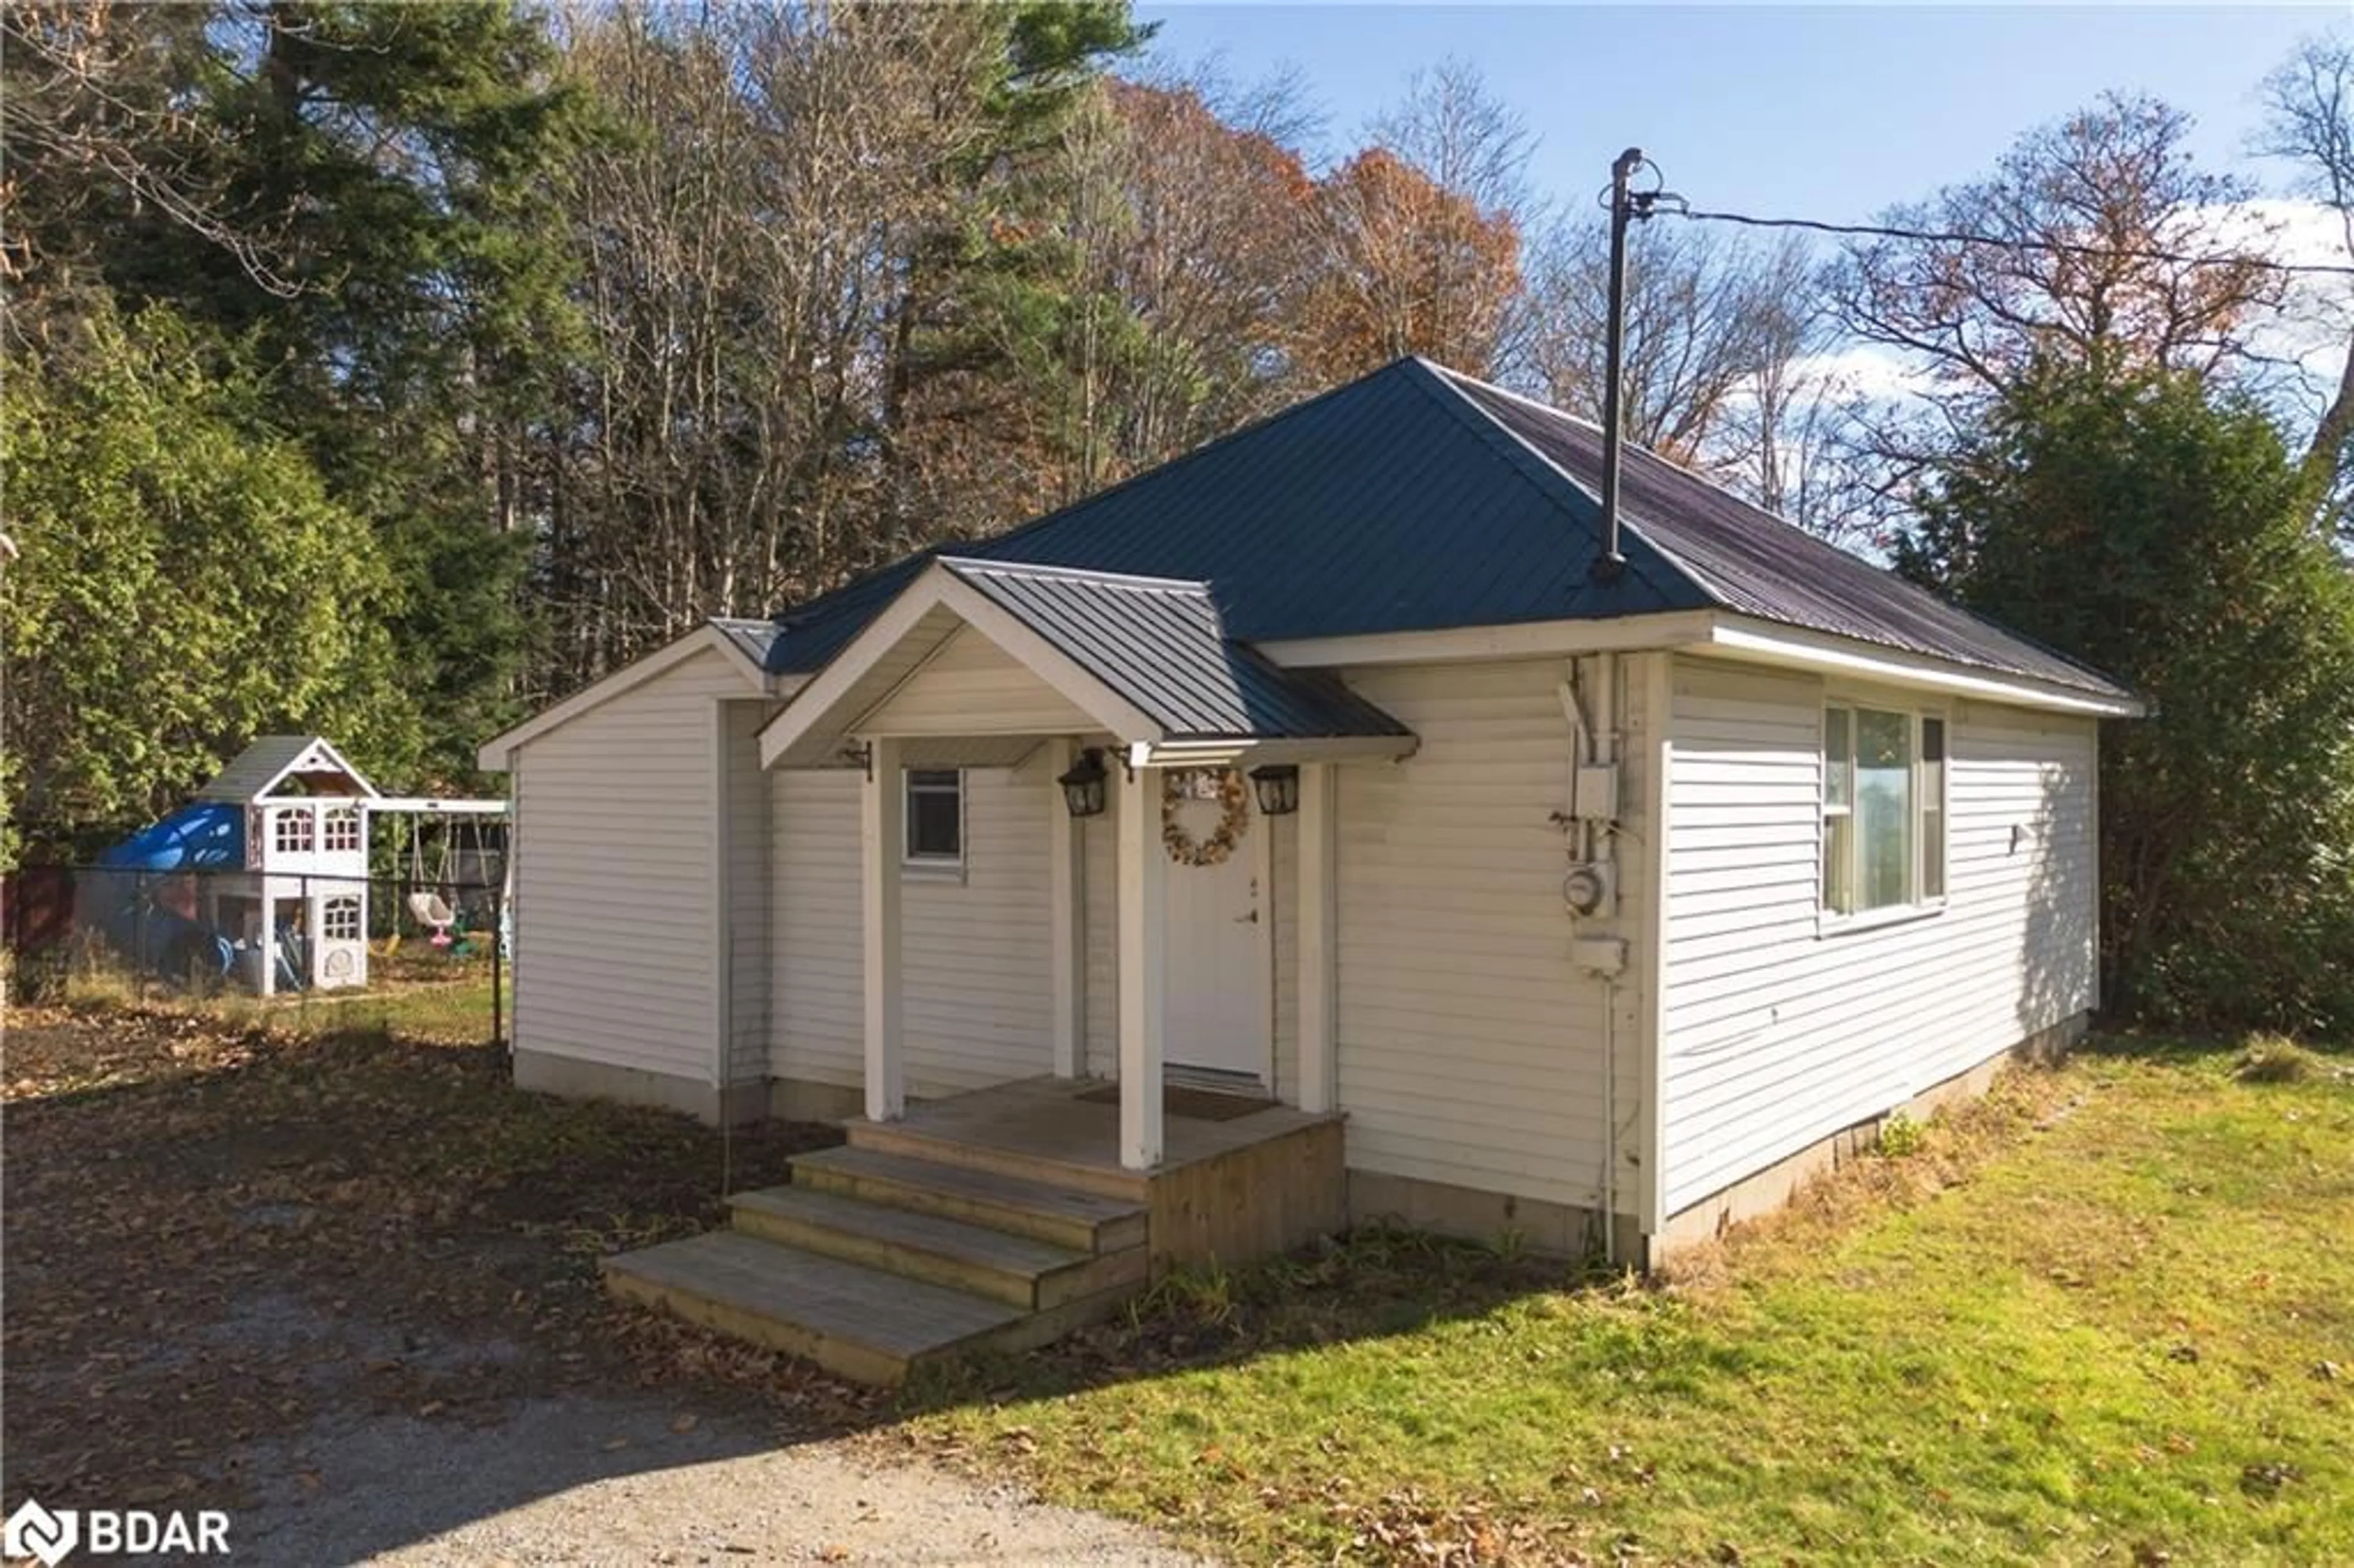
{"x":119,"y":898}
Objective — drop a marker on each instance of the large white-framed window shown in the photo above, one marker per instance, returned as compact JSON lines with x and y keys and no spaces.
{"x":1883,"y":803}
{"x":934,"y":818}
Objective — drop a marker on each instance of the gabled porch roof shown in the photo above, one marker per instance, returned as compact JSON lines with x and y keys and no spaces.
{"x":1145,"y":659}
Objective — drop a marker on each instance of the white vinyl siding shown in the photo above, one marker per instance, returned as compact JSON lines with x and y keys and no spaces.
{"x":1470,"y":1049}
{"x":972,"y":686}
{"x":1781,"y":1030}
{"x":1283,"y":897}
{"x":614,"y":960}
{"x":978,"y":967}
{"x":817,"y":1012}
{"x":747,"y":847}
{"x":1099,"y":931}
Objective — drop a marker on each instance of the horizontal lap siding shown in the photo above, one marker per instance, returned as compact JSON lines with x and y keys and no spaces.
{"x":1779,"y":1036}
{"x":1470,"y":1050}
{"x":747,"y":894}
{"x":1099,"y":931}
{"x":614,"y":957}
{"x":976,"y":952}
{"x":972,"y":686}
{"x":816,"y":1012}
{"x":1284,"y":875}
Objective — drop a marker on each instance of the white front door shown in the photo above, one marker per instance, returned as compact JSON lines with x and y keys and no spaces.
{"x":1216,"y":989}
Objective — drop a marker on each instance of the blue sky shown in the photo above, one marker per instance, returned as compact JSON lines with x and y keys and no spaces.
{"x":1829,"y":113}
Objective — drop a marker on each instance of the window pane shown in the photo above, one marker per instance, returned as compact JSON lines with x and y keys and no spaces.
{"x":1838,"y":863}
{"x":1884,"y":806}
{"x":1838,"y":764}
{"x":1932,"y":808}
{"x":935,"y":817}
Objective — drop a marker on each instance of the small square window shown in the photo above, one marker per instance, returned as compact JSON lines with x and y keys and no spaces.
{"x":936,"y":816}
{"x":340,"y":833}
{"x":339,"y":919}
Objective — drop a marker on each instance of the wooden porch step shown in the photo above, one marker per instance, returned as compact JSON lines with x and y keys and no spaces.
{"x":1016,"y":1269}
{"x":855,"y":1321}
{"x":1084,"y":1221}
{"x":951,"y":1146}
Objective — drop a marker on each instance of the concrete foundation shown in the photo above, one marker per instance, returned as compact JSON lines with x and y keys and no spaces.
{"x":1562,"y":1230}
{"x":798,"y":1100}
{"x":573,"y":1078}
{"x":1773,"y":1188}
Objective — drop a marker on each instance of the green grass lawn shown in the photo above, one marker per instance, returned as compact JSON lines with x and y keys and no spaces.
{"x":2105,"y":1316}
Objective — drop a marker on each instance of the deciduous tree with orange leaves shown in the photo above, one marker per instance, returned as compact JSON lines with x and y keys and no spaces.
{"x":1410,"y":268}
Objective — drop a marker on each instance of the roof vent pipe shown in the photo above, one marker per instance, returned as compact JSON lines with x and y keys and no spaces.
{"x":1611,"y":563}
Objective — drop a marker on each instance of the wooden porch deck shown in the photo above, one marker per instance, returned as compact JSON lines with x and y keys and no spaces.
{"x":996,"y":1220}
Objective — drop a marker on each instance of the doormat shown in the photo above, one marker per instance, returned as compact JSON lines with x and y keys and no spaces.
{"x":1194,"y":1105}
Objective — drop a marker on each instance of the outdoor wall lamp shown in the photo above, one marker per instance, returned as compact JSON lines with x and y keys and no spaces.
{"x":1083,"y":786}
{"x":1277,"y":787}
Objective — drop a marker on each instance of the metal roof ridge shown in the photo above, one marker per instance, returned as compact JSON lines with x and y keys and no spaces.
{"x":1465,"y":407}
{"x":959,"y":564}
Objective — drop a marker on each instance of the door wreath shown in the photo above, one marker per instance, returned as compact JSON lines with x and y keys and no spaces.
{"x":1233,"y":820}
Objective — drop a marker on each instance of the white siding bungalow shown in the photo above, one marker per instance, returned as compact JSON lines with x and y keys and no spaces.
{"x":1309,"y":831}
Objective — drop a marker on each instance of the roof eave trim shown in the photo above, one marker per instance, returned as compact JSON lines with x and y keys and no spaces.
{"x":938,"y":586}
{"x":1221,"y":751}
{"x":1510,"y":640}
{"x":1765,"y":641}
{"x":493,"y":755}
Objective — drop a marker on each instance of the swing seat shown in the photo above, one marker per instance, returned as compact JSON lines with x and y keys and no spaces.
{"x":430,"y":910}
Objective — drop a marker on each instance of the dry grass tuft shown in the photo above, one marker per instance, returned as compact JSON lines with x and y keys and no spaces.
{"x":2275,"y":1059}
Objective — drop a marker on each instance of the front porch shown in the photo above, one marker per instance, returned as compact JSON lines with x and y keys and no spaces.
{"x":1005,"y":1216}
{"x":1229,"y":1186}
{"x":998,"y":1220}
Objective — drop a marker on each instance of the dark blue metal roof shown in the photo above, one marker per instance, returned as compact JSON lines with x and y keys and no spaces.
{"x":1414,"y":499}
{"x":1159,"y":644}
{"x":1750,"y":561}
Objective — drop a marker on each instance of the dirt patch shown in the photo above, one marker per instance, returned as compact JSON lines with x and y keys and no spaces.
{"x":218,"y":1240}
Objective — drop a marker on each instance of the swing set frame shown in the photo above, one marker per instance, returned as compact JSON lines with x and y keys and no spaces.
{"x":459,"y":810}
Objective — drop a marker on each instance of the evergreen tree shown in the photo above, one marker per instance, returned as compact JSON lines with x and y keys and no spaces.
{"x":186,"y":584}
{"x":2162,"y":532}
{"x":413,"y":317}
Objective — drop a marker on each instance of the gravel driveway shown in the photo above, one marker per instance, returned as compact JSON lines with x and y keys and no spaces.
{"x":592,"y":1479}
{"x":344,"y":1289}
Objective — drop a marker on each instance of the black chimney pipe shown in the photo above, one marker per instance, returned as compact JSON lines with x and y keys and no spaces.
{"x":1612,"y":562}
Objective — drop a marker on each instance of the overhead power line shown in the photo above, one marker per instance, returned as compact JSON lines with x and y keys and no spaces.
{"x":1655,"y":202}
{"x":2058,"y":247}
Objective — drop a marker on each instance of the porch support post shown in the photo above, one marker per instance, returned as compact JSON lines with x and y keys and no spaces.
{"x":1319,"y":993}
{"x":882,"y":834}
{"x":1143,"y":977}
{"x":1065,"y":893}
